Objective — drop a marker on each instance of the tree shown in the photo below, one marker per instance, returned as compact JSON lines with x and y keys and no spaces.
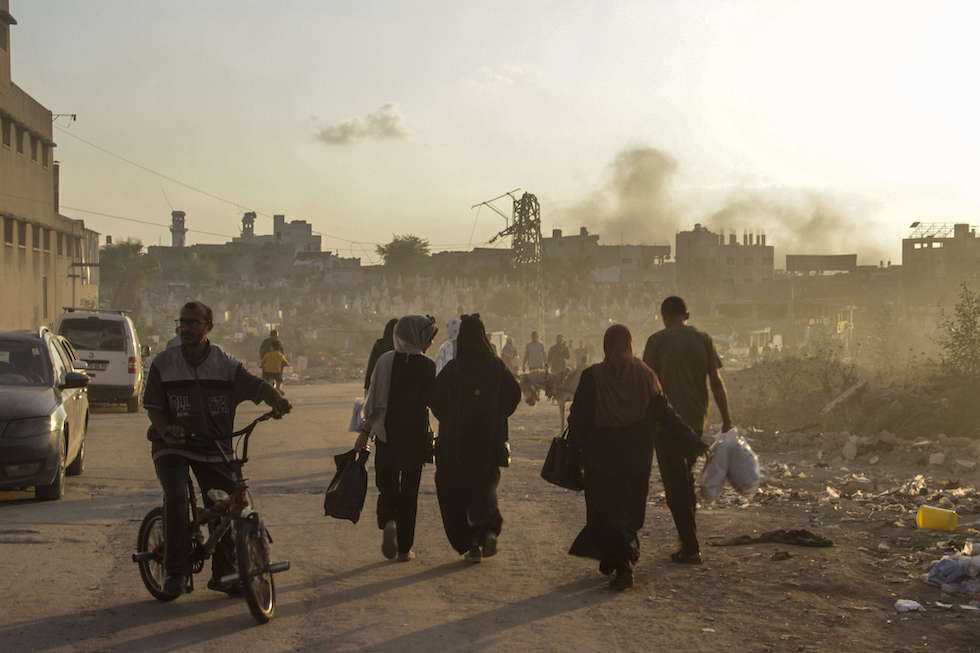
{"x":960,"y":339}
{"x":405,"y":253}
{"x":126,"y":272}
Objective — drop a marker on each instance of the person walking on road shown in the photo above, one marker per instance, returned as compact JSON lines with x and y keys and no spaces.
{"x":618,"y":405}
{"x":473,"y":397}
{"x":448,"y":350}
{"x":385,"y":343}
{"x":686,"y":362}
{"x":194,"y":390}
{"x":272,"y":366}
{"x":558,"y":357}
{"x":396,"y":415}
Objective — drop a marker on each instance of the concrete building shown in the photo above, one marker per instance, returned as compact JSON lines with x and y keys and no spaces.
{"x":609,"y":263}
{"x":297,"y":233}
{"x":46,"y":259}
{"x":937,"y":258}
{"x":708,"y":265}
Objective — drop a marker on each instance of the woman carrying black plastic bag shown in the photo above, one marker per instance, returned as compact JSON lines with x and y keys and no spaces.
{"x":397,"y":417}
{"x":617,"y":406}
{"x":473,"y":397}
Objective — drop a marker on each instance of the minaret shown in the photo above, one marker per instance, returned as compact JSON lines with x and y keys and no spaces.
{"x":177,"y":229}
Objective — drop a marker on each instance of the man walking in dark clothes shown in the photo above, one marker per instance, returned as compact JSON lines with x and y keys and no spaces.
{"x":686,"y":362}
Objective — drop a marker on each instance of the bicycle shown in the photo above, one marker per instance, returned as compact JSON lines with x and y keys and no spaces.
{"x":252,"y":539}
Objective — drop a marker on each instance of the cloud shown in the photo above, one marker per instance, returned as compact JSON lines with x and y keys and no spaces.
{"x":487,"y":78}
{"x":384,"y":124}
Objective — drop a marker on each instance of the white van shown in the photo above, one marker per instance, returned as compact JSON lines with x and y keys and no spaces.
{"x":106,"y":340}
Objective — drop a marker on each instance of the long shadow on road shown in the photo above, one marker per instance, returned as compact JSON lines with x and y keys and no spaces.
{"x":485,"y":629}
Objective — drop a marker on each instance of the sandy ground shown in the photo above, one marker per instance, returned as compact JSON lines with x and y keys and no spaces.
{"x":67,"y":582}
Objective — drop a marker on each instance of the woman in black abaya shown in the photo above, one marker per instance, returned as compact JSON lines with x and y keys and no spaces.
{"x":474,"y":395}
{"x":618,"y":407}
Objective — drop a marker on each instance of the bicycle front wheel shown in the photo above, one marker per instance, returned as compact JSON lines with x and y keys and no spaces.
{"x":255,"y":578}
{"x":150,"y":540}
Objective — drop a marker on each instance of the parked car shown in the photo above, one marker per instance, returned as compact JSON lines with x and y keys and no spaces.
{"x":107,"y":341}
{"x":43,"y":412}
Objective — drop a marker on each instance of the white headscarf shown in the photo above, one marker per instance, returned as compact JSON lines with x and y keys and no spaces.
{"x":412,"y":336}
{"x":448,"y":350}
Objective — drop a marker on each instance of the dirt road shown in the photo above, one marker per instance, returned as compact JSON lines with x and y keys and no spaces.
{"x":67,"y":582}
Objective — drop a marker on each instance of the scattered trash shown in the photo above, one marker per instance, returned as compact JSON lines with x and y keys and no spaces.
{"x":944,"y":606}
{"x":781,"y":555}
{"x":956,"y":574}
{"x":907,"y":605}
{"x":707,"y":630}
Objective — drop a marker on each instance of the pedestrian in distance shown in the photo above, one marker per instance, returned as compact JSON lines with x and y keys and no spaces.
{"x":473,"y":397}
{"x":448,"y":350}
{"x":686,"y":363}
{"x":385,"y":343}
{"x":272,"y":342}
{"x":273,"y":364}
{"x":510,"y":357}
{"x":396,"y":416}
{"x":618,"y":407}
{"x":534,"y":354}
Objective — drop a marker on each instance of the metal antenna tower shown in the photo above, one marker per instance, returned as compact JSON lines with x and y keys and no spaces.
{"x":524,"y":229}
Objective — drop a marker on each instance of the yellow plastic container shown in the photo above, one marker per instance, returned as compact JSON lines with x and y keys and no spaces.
{"x":936,"y":519}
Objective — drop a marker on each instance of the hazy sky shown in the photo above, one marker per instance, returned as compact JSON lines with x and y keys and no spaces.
{"x":372,"y":118}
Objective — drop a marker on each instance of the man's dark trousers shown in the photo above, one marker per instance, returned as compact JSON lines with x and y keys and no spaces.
{"x":173,"y":470}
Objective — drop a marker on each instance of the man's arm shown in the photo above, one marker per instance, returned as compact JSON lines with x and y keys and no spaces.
{"x":720,"y":393}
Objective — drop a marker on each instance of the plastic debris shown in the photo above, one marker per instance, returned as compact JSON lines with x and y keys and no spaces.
{"x":907,"y":605}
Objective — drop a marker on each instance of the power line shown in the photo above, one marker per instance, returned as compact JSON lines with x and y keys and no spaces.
{"x":138,"y":221}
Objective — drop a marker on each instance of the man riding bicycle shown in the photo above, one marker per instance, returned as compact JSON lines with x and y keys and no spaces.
{"x":191,"y":396}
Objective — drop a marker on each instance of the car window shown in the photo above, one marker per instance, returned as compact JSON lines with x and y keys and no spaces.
{"x":24,"y":362}
{"x":64,"y":351}
{"x":93,"y":333}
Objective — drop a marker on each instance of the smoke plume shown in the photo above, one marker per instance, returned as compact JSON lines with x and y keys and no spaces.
{"x":386,"y":123}
{"x":638,"y":204}
{"x":635,"y":202}
{"x":796,"y":222}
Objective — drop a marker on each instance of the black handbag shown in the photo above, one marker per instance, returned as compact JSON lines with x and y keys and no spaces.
{"x":563,"y":465}
{"x":344,"y":497}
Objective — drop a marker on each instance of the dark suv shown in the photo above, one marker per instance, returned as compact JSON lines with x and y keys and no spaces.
{"x":43,"y":412}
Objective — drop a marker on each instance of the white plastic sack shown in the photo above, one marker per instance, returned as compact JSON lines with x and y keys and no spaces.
{"x":357,"y":418}
{"x":732,"y":459}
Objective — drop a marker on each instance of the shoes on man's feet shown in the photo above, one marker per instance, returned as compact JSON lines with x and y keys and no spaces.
{"x":406,"y":556}
{"x":474,"y":555}
{"x":622,"y":579}
{"x":231,"y":589}
{"x":489,"y":545}
{"x":389,"y":540}
{"x":685,"y":558}
{"x":174,"y":584}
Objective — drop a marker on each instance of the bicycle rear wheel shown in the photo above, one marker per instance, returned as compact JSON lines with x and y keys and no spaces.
{"x":254,"y":575}
{"x":151,"y":540}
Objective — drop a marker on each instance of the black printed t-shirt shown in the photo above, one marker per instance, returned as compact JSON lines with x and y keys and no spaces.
{"x":201,"y":398}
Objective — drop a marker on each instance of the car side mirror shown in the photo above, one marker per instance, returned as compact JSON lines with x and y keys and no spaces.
{"x":145,"y":351}
{"x":79,"y":365}
{"x":76,"y":380}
